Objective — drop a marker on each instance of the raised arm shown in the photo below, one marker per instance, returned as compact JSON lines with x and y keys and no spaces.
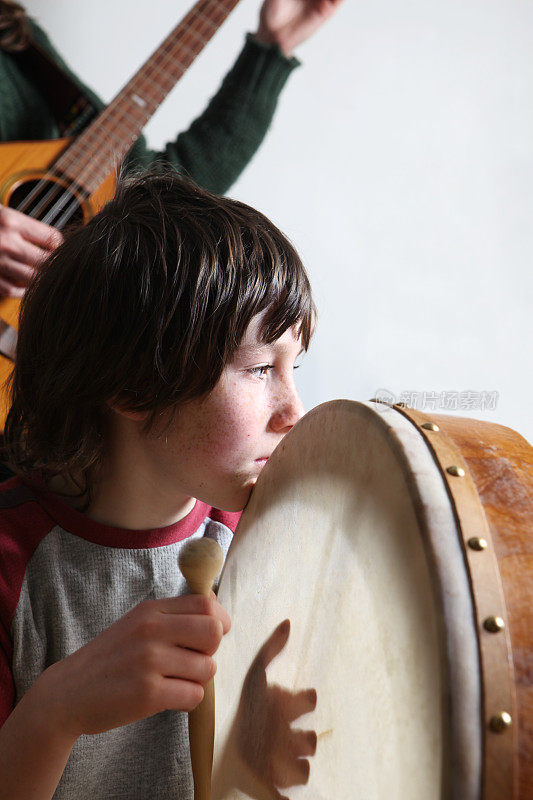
{"x":288,"y":23}
{"x":221,"y":142}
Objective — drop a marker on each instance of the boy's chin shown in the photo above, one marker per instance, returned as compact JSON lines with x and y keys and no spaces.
{"x":239,"y":503}
{"x":231,"y":501}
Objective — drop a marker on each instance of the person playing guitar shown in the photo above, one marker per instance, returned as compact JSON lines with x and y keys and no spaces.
{"x":213,"y":151}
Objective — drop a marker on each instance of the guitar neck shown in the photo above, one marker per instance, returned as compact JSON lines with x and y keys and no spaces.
{"x":103,"y":145}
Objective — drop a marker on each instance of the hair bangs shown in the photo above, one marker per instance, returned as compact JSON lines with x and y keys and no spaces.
{"x":274,"y":282}
{"x":144,"y":307}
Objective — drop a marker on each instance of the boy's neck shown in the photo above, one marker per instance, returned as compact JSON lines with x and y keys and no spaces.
{"x":136,"y":504}
{"x":127,"y":490}
{"x":124,"y":504}
{"x":133,"y":489}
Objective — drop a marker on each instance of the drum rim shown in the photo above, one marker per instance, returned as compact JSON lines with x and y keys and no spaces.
{"x":403,"y":436}
{"x":494,"y":642}
{"x":463,"y":775}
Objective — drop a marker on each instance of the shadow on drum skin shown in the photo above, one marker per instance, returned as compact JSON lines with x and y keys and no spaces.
{"x":263,"y":753}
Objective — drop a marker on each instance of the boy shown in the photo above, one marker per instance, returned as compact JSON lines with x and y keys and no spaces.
{"x":154,"y":378}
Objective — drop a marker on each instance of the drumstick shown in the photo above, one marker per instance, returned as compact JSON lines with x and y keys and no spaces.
{"x":200,"y":562}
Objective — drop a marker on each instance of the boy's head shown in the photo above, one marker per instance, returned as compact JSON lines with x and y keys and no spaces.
{"x":141,"y":314}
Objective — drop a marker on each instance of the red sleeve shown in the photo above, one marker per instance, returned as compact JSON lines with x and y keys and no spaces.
{"x":23,"y":524}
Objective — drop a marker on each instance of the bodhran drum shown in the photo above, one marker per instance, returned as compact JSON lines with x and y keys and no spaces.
{"x":396,"y":546}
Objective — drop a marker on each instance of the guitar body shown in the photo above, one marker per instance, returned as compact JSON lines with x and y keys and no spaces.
{"x":66,"y":181}
{"x":22,"y":166}
{"x":21,"y":162}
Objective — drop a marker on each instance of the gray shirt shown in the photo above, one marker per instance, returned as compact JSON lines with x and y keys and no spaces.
{"x":65,"y":578}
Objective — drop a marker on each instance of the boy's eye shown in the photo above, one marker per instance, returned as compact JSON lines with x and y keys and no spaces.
{"x":261,"y":371}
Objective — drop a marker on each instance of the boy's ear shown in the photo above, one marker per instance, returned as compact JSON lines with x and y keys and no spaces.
{"x":119,"y":407}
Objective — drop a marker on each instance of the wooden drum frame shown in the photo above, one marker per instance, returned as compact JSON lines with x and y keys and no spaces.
{"x":421,"y":654}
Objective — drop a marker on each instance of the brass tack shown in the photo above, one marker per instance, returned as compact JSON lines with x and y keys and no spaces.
{"x":500,"y":722}
{"x":430,"y":426}
{"x":494,"y":624}
{"x":477,"y":543}
{"x":458,"y":472}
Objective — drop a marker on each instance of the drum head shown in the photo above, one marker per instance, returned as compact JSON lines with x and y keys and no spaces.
{"x":331,"y":541}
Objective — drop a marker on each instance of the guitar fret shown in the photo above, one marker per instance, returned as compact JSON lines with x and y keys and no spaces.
{"x":110,"y":154}
{"x":162,"y":90}
{"x":109,"y":138}
{"x":134,"y":123}
{"x":220,"y":6}
{"x":192,"y":53}
{"x":206,"y":19}
{"x":170,"y":79}
{"x":174,"y":62}
{"x":112,"y":136}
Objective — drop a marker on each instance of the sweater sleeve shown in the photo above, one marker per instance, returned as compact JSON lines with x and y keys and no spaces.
{"x":222,"y":140}
{"x":219,"y":144}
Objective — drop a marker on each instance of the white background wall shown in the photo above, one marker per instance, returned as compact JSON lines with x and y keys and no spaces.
{"x":400,"y":163}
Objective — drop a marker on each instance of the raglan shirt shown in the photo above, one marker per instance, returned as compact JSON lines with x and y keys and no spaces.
{"x":63,"y":580}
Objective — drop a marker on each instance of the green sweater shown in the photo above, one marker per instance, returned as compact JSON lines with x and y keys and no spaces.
{"x":216,"y":147}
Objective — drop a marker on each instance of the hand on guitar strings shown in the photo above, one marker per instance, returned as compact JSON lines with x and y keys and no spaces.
{"x":290,"y":22}
{"x":24,"y":244}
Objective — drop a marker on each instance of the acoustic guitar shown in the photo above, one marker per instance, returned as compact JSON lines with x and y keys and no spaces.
{"x":64,"y":181}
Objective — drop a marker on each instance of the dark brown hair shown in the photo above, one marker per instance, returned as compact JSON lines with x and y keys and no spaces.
{"x":144,"y":306}
{"x":14,"y":26}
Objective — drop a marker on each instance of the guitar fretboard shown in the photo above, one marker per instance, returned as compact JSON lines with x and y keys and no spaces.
{"x":101,"y":148}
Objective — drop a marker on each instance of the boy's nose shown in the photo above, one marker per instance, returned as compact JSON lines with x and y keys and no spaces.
{"x":287,"y":413}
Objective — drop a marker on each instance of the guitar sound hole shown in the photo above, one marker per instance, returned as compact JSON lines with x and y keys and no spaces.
{"x":47,"y":201}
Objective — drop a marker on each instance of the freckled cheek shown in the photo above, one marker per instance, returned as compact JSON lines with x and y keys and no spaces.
{"x":220,"y":438}
{"x":233,"y":437}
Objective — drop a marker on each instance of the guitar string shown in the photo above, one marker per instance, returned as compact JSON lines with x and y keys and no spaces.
{"x":121,"y":125}
{"x":64,"y":188}
{"x":123,"y":117}
{"x":161,"y":58}
{"x":158,"y":60}
{"x":55,"y":188}
{"x":109,"y":154}
{"x":159,"y":63}
{"x":125,"y":128}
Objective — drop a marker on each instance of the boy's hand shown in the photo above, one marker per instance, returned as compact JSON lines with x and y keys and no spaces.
{"x":263,"y":752}
{"x":276,"y":753}
{"x":156,"y":657}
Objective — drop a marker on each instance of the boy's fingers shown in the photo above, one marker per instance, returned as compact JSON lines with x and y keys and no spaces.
{"x":273,"y":646}
{"x":188,"y":665}
{"x":193,"y":631}
{"x":195,"y":604}
{"x":303,"y":743}
{"x":293,"y":772}
{"x":300,"y":703}
{"x":181,"y":695}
